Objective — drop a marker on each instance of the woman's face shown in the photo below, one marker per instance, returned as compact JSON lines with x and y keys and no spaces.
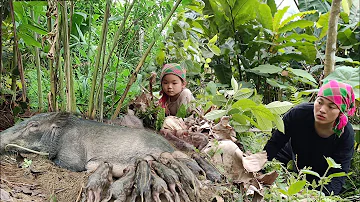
{"x":172,"y":85}
{"x":325,"y":111}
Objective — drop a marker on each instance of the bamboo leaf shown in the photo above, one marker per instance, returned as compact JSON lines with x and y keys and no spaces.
{"x":34,"y":28}
{"x":278,"y":107}
{"x":29,"y":40}
{"x":215,"y":114}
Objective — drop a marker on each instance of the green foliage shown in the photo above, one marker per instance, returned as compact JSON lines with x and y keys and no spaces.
{"x":160,"y":118}
{"x":247,"y":112}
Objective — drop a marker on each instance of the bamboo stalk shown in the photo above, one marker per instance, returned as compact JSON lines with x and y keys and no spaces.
{"x":97,"y":61}
{"x":19,"y":59}
{"x":70,"y":93}
{"x":142,"y":60}
{"x":38,"y":67}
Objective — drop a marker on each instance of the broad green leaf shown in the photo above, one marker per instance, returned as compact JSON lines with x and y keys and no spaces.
{"x":276,"y":83}
{"x":345,"y":74}
{"x":160,"y":57}
{"x":264,"y":16}
{"x":296,"y":187}
{"x":262,"y":111}
{"x":310,"y":172}
{"x":323,"y":23}
{"x":278,"y":107}
{"x":34,"y":28}
{"x":270,"y":69}
{"x":346,"y":6}
{"x":263,"y":123}
{"x":244,"y":11}
{"x":332,"y":163}
{"x":215,"y":114}
{"x":213,"y":40}
{"x":234,"y":84}
{"x":279,"y":123}
{"x":302,"y":73}
{"x":223,"y":72}
{"x":340,"y":174}
{"x":283,"y":191}
{"x":309,"y":52}
{"x":240,"y":118}
{"x":29,"y":40}
{"x":211,"y":88}
{"x":241,"y":128}
{"x":216,"y":50}
{"x":243,"y":93}
{"x":277,"y":18}
{"x":298,"y":37}
{"x":182,"y":111}
{"x":292,"y":25}
{"x":292,"y":17}
{"x":234,"y":111}
{"x":219,"y":100}
{"x":272,"y":5}
{"x":244,"y":104}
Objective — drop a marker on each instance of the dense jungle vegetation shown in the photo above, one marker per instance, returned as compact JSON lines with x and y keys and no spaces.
{"x":244,"y":58}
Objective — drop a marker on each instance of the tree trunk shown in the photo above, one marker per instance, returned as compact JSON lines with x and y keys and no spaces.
{"x":38,"y":67}
{"x":19,"y":60}
{"x":331,"y":38}
{"x":97,"y":61}
{"x":142,"y":60}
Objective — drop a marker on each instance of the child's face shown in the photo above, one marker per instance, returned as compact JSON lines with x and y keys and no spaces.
{"x":172,"y":85}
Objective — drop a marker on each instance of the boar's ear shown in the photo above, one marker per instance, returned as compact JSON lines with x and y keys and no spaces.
{"x":52,"y":137}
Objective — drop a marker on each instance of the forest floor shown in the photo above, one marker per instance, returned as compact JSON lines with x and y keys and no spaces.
{"x":42,"y":180}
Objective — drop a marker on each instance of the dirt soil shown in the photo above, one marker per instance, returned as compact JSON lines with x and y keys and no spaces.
{"x":44,"y":181}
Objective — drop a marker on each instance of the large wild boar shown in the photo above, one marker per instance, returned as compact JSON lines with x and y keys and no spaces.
{"x":79,"y":145}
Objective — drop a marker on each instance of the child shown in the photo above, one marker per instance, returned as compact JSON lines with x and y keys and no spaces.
{"x":174,"y":93}
{"x":317,"y":130}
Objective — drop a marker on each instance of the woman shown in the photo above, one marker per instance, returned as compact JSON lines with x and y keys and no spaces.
{"x":317,"y":130}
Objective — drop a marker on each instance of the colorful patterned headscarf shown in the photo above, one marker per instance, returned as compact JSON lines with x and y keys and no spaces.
{"x":171,"y":68}
{"x":342,"y":95}
{"x":175,"y":69}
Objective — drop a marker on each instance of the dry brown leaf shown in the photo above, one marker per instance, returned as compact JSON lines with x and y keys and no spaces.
{"x":223,"y":130}
{"x":255,"y":162}
{"x":268,"y":178}
{"x":174,"y":123}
